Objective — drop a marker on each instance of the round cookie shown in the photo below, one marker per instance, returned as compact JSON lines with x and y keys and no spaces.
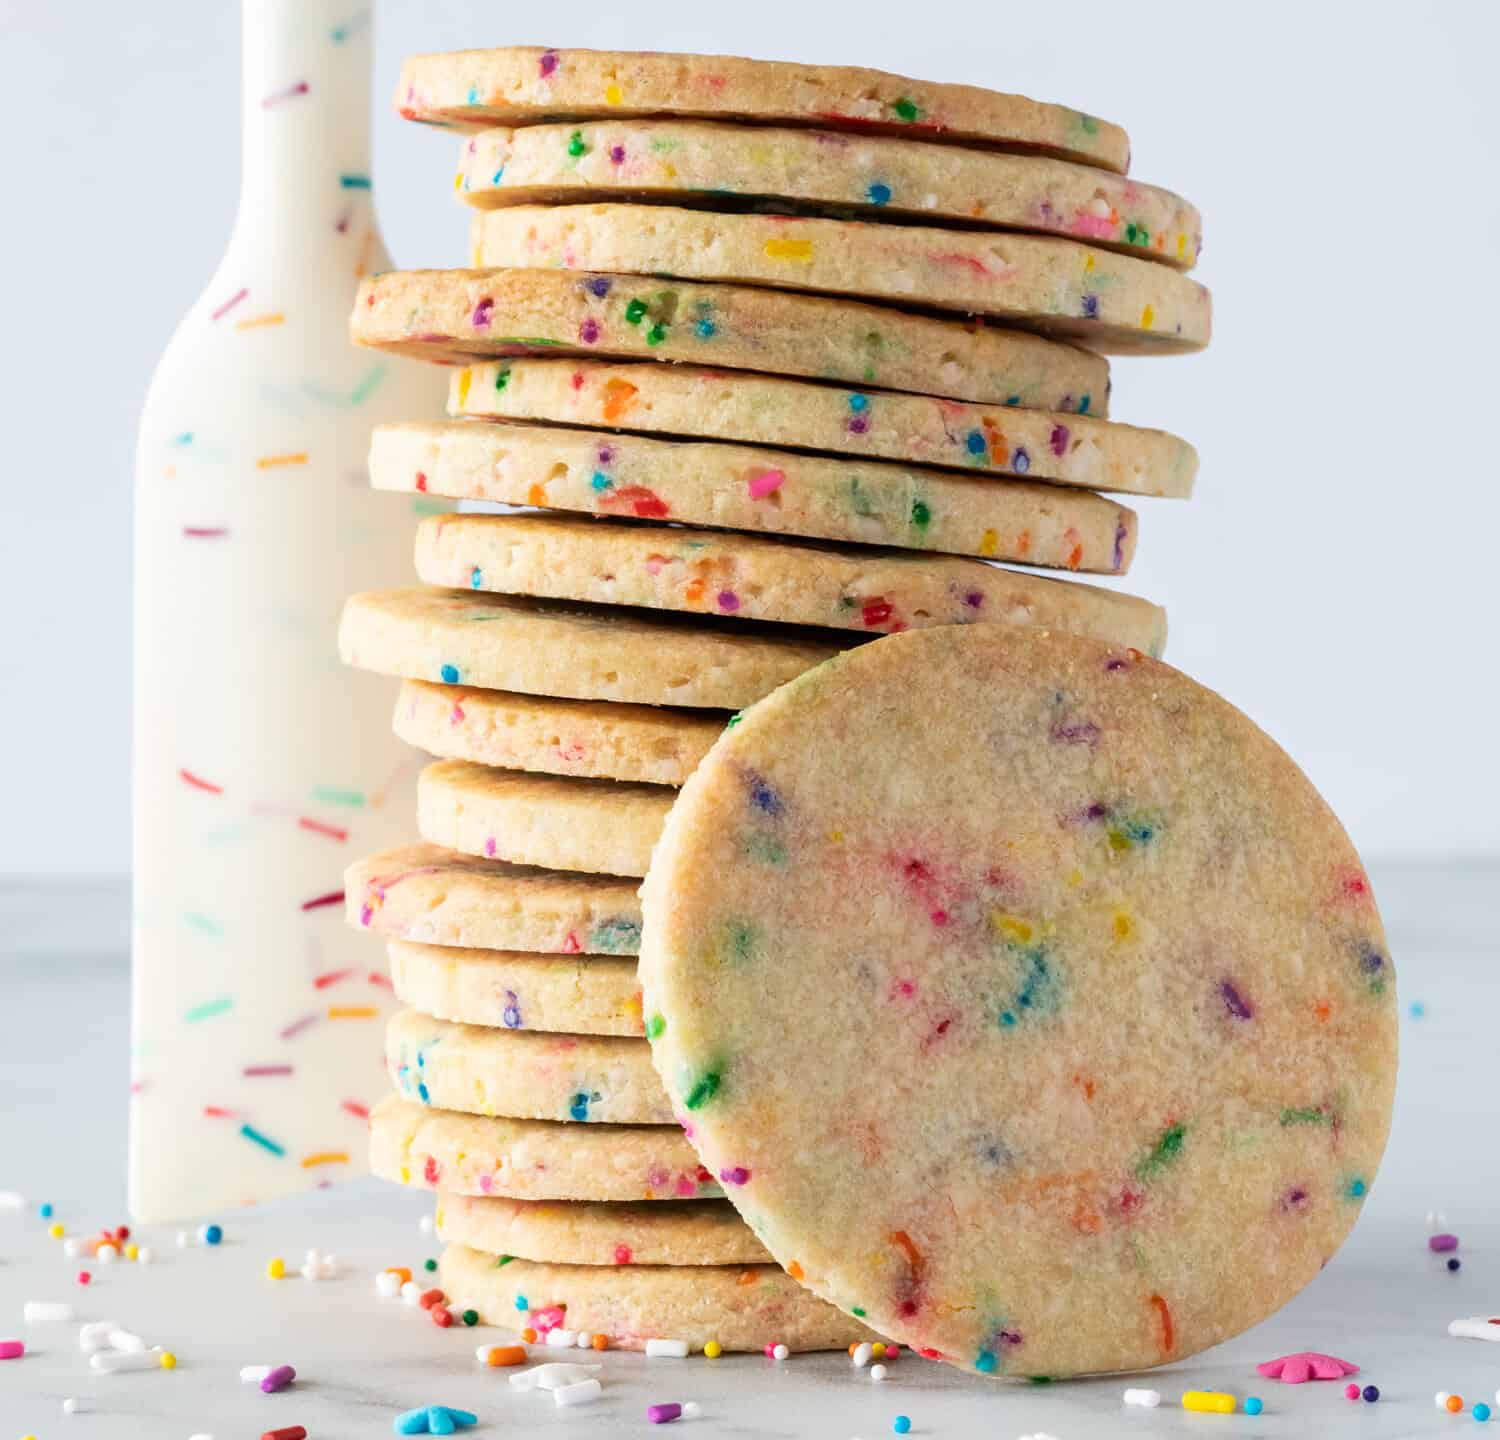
{"x":1113,"y":303}
{"x":684,"y":162}
{"x":541,"y":648}
{"x":741,"y":1307}
{"x":865,"y":502}
{"x":652,"y":744}
{"x":524,"y":84}
{"x":523,"y":1074}
{"x":567,"y":1232}
{"x":533,"y":1159}
{"x":688,"y":400}
{"x":1087,"y":1057}
{"x":518,"y":990}
{"x":452,"y":315}
{"x":434,"y":896}
{"x":604,"y":827}
{"x":617,"y":562}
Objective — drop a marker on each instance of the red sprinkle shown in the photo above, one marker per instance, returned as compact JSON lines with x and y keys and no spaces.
{"x":442,"y":1316}
{"x":287,"y":1432}
{"x":429,"y":1298}
{"x":84,"y":1277}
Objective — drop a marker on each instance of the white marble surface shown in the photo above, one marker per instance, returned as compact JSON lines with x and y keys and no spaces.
{"x":1383,"y":1302}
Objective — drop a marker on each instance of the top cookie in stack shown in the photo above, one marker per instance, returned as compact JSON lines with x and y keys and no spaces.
{"x":792,"y":351}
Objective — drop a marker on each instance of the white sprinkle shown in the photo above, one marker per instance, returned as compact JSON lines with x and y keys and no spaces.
{"x":411,"y":1293}
{"x":388,"y":1284}
{"x":201,"y":1435}
{"x":1497,"y":1397}
{"x":558,"y":1374}
{"x":779,"y":1352}
{"x":584,"y":1392}
{"x":95,"y":1336}
{"x":1476,"y":1327}
{"x":669,"y":1349}
{"x":863,"y":1353}
{"x":125,"y":1340}
{"x":144,"y":1255}
{"x":425,"y":1224}
{"x":1436,"y":1221}
{"x":691,"y":1409}
{"x":72,"y":1247}
{"x":877,"y":1372}
{"x":182,"y":1239}
{"x":254,"y":1374}
{"x":72,"y":1406}
{"x":313,"y":1257}
{"x":107,"y":1254}
{"x":110,"y":1361}
{"x":560,"y":1339}
{"x":585,"y":1340}
{"x":1441,"y":1399}
{"x":46,"y":1312}
{"x":1149,"y":1398}
{"x":12,"y":1200}
{"x":202,"y":1235}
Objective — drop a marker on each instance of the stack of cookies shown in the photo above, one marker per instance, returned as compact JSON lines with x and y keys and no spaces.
{"x":884,"y":307}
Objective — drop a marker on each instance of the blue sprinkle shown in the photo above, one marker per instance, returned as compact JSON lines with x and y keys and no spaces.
{"x":449,"y":674}
{"x":462,"y":1418}
{"x":601,"y":481}
{"x":476,"y":577}
{"x":1020,"y":462}
{"x":901,"y":1424}
{"x":579,"y":1108}
{"x":439,"y":1421}
{"x":473,"y":95}
{"x":597,"y":286}
{"x":706,"y":329}
{"x":1418,"y":1010}
{"x":413,"y":1422}
{"x":422,"y":1092}
{"x":986,"y":1362}
{"x":763,"y":797}
{"x":1357,"y":1188}
{"x":495,"y":178}
{"x":1012,"y":400}
{"x":212,"y":1234}
{"x":858,"y":402}
{"x":46,"y":1211}
{"x":1482,"y":1412}
{"x":1253,"y":1405}
{"x":879,"y":194}
{"x":1090,"y":307}
{"x":1083,"y":405}
{"x":521,"y":1303}
{"x":975,"y":442}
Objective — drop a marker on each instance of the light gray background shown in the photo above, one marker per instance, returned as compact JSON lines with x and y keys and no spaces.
{"x":1332,"y":576}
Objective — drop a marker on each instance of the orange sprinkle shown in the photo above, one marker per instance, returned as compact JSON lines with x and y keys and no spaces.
{"x":1168,"y":1341}
{"x":600,"y":1342}
{"x":748,"y":1277}
{"x":400,"y":1270}
{"x":351,"y":1012}
{"x":362,"y":261}
{"x":619,"y":396}
{"x":537,"y":495}
{"x":501,"y":1355}
{"x":271,"y":462}
{"x":326,"y":1157}
{"x":1086,"y":1085}
{"x":529,"y":1335}
{"x":1323,"y":1009}
{"x":1075,"y":557}
{"x":1023,"y":544}
{"x":692,"y":592}
{"x":1086,"y":1219}
{"x":257,"y":322}
{"x":795,"y":1271}
{"x":913,"y":1256}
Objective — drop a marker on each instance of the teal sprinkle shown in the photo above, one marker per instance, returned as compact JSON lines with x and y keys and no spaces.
{"x":616,"y":936}
{"x":495,"y":178}
{"x":426,"y":505}
{"x":369,"y":384}
{"x":858,"y":402}
{"x":1356,"y":1188}
{"x":601,"y":481}
{"x":473,"y":96}
{"x":986,"y":1363}
{"x":521,"y":1303}
{"x":449,"y":674}
{"x":264,"y":1141}
{"x":203,"y":924}
{"x":1012,"y":400}
{"x":331,"y":796}
{"x":186,"y":438}
{"x":1163,"y":1153}
{"x":350,"y":27}
{"x":208,"y":1009}
{"x":355,"y":182}
{"x":476,"y":577}
{"x":1083,"y":405}
{"x":706,"y":329}
{"x":704,"y":1090}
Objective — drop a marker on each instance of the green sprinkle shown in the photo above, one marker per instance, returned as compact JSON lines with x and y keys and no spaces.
{"x":429,"y":1265}
{"x":704,"y":1090}
{"x":766,"y":849}
{"x":532,"y":340}
{"x":859,"y":1310}
{"x":921,"y":514}
{"x":503,"y":1260}
{"x":369,"y":383}
{"x":734,"y":719}
{"x":426,"y":505}
{"x":471,"y":1317}
{"x":1089,"y":124}
{"x":576,"y":147}
{"x":1166,"y":1150}
{"x":1306,"y":1115}
{"x":907,"y":110}
{"x":503,"y":378}
{"x":355,"y":799}
{"x":654,"y":1027}
{"x":203,"y":924}
{"x":656,"y":334}
{"x":635,"y":312}
{"x":208,"y":1009}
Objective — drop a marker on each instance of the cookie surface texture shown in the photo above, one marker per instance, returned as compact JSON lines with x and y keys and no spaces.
{"x":1087,"y":1058}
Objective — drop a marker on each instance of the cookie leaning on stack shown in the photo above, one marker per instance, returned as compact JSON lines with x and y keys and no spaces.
{"x":848,"y":454}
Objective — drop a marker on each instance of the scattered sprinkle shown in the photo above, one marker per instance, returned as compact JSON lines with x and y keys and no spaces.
{"x":1210,"y":1402}
{"x":581,"y":1392}
{"x":712,"y":1350}
{"x":664,"y":1413}
{"x":1149,"y":1398}
{"x":1253,"y":1405}
{"x":278,"y":1379}
{"x":878,"y":1372}
{"x":901,"y":1424}
{"x":666,"y":1349}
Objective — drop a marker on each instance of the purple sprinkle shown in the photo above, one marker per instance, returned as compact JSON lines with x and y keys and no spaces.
{"x":1442,"y":1243}
{"x":489,"y":847}
{"x":1059,"y":440}
{"x":1020,"y":462}
{"x":617,"y":154}
{"x":548,"y":63}
{"x":597,"y":286}
{"x":278,"y":1379}
{"x":1009,"y":1336}
{"x":1294,"y":1199}
{"x":1371,"y":961}
{"x":729,"y":601}
{"x":606,"y":454}
{"x":481,"y":317}
{"x":1120,"y":533}
{"x":1234,"y":1002}
{"x":1079,"y":732}
{"x":1090,"y":307}
{"x":588,"y":332}
{"x":859,"y":424}
{"x":738,"y":1175}
{"x":661,"y":1414}
{"x":973,"y":599}
{"x":763,"y":797}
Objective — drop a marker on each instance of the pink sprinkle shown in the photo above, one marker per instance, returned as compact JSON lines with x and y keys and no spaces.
{"x":623,"y":1254}
{"x":229,"y":304}
{"x":318,"y":902}
{"x":204,"y":532}
{"x":735,"y":1175}
{"x":489,"y":847}
{"x":547,"y":64}
{"x":199,"y":783}
{"x":1351,"y":1392}
{"x":766,"y":482}
{"x":355,"y":1108}
{"x":278,"y":1379}
{"x":252,"y":1071}
{"x":298,"y":1026}
{"x":570,"y":945}
{"x":662,"y":1414}
{"x":1442,"y":1243}
{"x":376,"y":978}
{"x":12,"y":1349}
{"x":1059,"y":440}
{"x":290,"y":93}
{"x":481,"y":317}
{"x":365,"y":913}
{"x":320,"y":827}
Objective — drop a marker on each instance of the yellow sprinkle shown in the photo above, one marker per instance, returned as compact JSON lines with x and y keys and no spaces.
{"x":437,"y":1218}
{"x":669,"y":170}
{"x":1215,"y":1402}
{"x":836,"y":837}
{"x":458,"y":181}
{"x":325,"y":1157}
{"x":1088,"y":264}
{"x":1182,"y":245}
{"x":789,"y":249}
{"x":270,"y":462}
{"x":131,"y":1251}
{"x":612,"y":95}
{"x":1118,"y":839}
{"x":56,"y":1231}
{"x":168,"y":1360}
{"x":878,"y":1349}
{"x":259,"y":322}
{"x":712,"y":1350}
{"x":1124,"y":926}
{"x":989,"y":543}
{"x":405,"y":1175}
{"x":465,"y":379}
{"x":1075,"y":878}
{"x":1009,"y":926}
{"x":276,"y":1269}
{"x":1148,"y":318}
{"x":351,"y":1012}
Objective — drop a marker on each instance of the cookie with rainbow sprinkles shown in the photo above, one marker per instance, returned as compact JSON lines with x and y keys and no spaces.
{"x":526,"y":84}
{"x":1034,"y":1000}
{"x":822,"y":172}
